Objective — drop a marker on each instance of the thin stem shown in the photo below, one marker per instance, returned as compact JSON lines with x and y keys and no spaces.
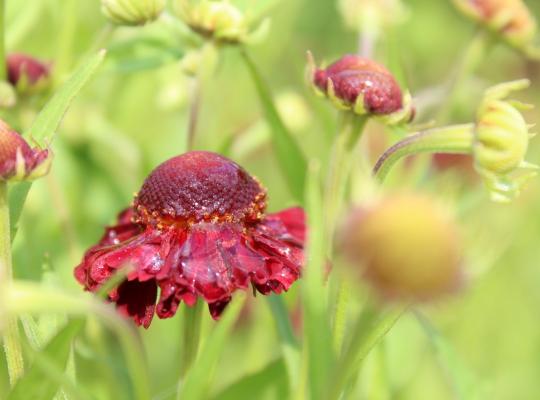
{"x":3,"y":67}
{"x":351,"y":128}
{"x":471,"y":59}
{"x":194,"y":112}
{"x":12,"y":345}
{"x":191,"y":335}
{"x":455,"y":139}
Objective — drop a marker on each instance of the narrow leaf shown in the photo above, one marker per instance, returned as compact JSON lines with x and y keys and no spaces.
{"x":46,"y":124}
{"x":273,"y":376}
{"x":200,"y":375}
{"x":290,"y":157}
{"x":35,"y":383}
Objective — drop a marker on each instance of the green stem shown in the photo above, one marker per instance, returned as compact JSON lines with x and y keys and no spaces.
{"x":455,"y":139}
{"x":191,"y":334}
{"x":3,"y":67}
{"x":474,"y":54}
{"x":351,"y":128}
{"x":371,"y":327}
{"x":12,"y":345}
{"x":340,"y":314}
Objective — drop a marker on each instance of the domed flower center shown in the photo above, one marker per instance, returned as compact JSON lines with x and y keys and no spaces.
{"x":199,"y":186}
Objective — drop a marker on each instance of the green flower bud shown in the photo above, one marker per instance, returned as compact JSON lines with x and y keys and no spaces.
{"x":132,"y":12}
{"x":502,"y":138}
{"x":372,"y":15}
{"x":406,"y":246}
{"x":220,"y":21}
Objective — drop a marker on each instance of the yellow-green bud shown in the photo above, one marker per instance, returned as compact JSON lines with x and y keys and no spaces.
{"x":406,"y":246}
{"x":218,"y":20}
{"x":132,"y":12}
{"x":372,"y":15}
{"x":502,"y":138}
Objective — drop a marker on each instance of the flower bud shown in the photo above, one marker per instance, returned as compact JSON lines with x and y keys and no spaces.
{"x":220,"y":21}
{"x":362,"y":85}
{"x":132,"y":12}
{"x":18,"y":161}
{"x":26,"y":73}
{"x":502,"y":139}
{"x":509,"y":18}
{"x":407,"y":246}
{"x":372,"y":15}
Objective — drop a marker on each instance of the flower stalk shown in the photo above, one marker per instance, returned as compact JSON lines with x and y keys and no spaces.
{"x":3,"y":69}
{"x":455,"y":139}
{"x":351,"y":128}
{"x":12,"y":345}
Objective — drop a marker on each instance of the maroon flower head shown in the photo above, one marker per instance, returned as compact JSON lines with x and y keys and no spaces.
{"x":353,"y":76}
{"x":22,"y":67}
{"x":18,"y":161}
{"x":197,"y":229}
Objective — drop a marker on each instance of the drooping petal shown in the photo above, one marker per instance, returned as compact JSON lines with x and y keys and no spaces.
{"x":137,"y":300}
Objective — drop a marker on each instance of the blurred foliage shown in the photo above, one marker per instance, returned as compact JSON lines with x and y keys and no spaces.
{"x":134,"y":114}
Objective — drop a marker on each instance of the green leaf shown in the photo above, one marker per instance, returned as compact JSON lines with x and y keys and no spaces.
{"x":49,"y":119}
{"x":458,"y":375}
{"x":46,"y":124}
{"x":141,"y":53}
{"x":272,"y":379}
{"x":199,"y":377}
{"x":27,"y":297}
{"x":290,"y":157}
{"x":317,"y":332}
{"x":288,"y":342}
{"x":37,"y":382}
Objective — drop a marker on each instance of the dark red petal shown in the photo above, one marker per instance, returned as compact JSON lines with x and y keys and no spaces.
{"x":217,"y":308}
{"x":136,"y":300}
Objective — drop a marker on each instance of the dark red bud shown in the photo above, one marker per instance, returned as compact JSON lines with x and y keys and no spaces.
{"x":22,"y":65}
{"x":353,"y":76}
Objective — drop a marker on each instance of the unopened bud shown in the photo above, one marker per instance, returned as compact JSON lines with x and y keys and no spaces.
{"x":26,"y":73}
{"x":18,"y":161}
{"x":132,"y":12}
{"x":509,"y":18}
{"x":502,"y":139}
{"x":406,"y":246}
{"x":362,"y":85}
{"x":220,"y":20}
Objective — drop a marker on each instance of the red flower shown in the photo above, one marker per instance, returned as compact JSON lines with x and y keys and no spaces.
{"x":197,"y":229}
{"x":22,"y":66}
{"x":18,"y":161}
{"x":353,"y":76}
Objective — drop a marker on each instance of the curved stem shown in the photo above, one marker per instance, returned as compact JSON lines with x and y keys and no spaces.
{"x":456,"y":139}
{"x":11,"y":339}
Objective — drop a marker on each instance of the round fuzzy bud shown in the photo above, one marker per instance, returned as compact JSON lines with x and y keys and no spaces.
{"x":132,"y":12}
{"x":407,"y":247}
{"x":200,"y":186}
{"x":18,"y":161}
{"x":26,"y":73}
{"x":510,"y":18}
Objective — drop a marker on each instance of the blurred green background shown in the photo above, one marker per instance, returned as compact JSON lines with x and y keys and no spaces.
{"x":132,"y":117}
